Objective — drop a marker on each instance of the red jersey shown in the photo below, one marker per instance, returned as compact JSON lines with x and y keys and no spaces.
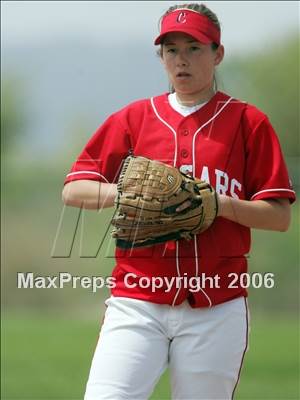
{"x":228,"y":143}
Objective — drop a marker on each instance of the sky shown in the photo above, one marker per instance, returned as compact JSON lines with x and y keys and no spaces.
{"x":244,"y":23}
{"x":75,"y":49}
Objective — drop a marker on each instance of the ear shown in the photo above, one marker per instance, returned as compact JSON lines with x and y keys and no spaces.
{"x":219,"y":54}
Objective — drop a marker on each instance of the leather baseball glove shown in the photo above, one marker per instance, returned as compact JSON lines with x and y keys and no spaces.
{"x":149,"y":193}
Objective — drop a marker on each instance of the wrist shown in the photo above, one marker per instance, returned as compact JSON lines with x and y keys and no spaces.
{"x":223,"y":203}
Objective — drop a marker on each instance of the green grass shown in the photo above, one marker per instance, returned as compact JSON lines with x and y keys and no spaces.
{"x":47,"y":357}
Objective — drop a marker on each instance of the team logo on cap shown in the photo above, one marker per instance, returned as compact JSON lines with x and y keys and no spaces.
{"x":181,"y":18}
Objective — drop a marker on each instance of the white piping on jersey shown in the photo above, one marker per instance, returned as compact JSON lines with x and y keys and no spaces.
{"x":87,"y":172}
{"x":197,"y":270}
{"x":169,"y":126}
{"x":194,"y":169}
{"x":196,"y":254}
{"x":174,"y":163}
{"x":201,"y":127}
{"x":273,"y":190}
{"x":178,"y":273}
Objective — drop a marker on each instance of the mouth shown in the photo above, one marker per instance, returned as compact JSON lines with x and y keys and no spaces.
{"x":183,"y":75}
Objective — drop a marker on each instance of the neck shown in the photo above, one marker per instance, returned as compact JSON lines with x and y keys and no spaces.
{"x":193,"y":99}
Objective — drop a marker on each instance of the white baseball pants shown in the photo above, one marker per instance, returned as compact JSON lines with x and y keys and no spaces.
{"x":203,"y":347}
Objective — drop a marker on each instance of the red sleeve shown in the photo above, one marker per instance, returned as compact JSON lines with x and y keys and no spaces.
{"x":103,"y":155}
{"x":266,"y":172}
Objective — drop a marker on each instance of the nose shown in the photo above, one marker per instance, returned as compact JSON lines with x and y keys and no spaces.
{"x":182,"y":59}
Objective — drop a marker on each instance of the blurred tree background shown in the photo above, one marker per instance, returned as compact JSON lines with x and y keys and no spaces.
{"x":49,"y":335}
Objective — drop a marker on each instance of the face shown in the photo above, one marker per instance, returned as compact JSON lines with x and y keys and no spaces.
{"x":190,"y":64}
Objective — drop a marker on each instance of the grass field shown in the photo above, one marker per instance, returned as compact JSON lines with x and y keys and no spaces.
{"x":46,"y":357}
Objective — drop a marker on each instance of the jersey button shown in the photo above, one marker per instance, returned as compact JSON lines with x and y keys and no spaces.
{"x":185,"y":132}
{"x":184,"y":153}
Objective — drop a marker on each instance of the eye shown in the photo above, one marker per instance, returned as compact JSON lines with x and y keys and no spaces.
{"x":195,"y":48}
{"x":171,"y":51}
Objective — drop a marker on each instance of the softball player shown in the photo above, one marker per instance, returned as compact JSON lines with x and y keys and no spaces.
{"x":157,"y":317}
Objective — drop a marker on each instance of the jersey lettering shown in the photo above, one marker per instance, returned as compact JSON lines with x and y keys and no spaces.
{"x":186,"y":169}
{"x":221,"y":181}
{"x":224,"y":184}
{"x":235,"y":184}
{"x":205,"y":175}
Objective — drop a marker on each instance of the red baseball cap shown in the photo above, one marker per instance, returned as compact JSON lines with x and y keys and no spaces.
{"x":191,"y":22}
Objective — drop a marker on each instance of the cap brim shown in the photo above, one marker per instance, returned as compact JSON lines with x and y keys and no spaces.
{"x":199,"y":36}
